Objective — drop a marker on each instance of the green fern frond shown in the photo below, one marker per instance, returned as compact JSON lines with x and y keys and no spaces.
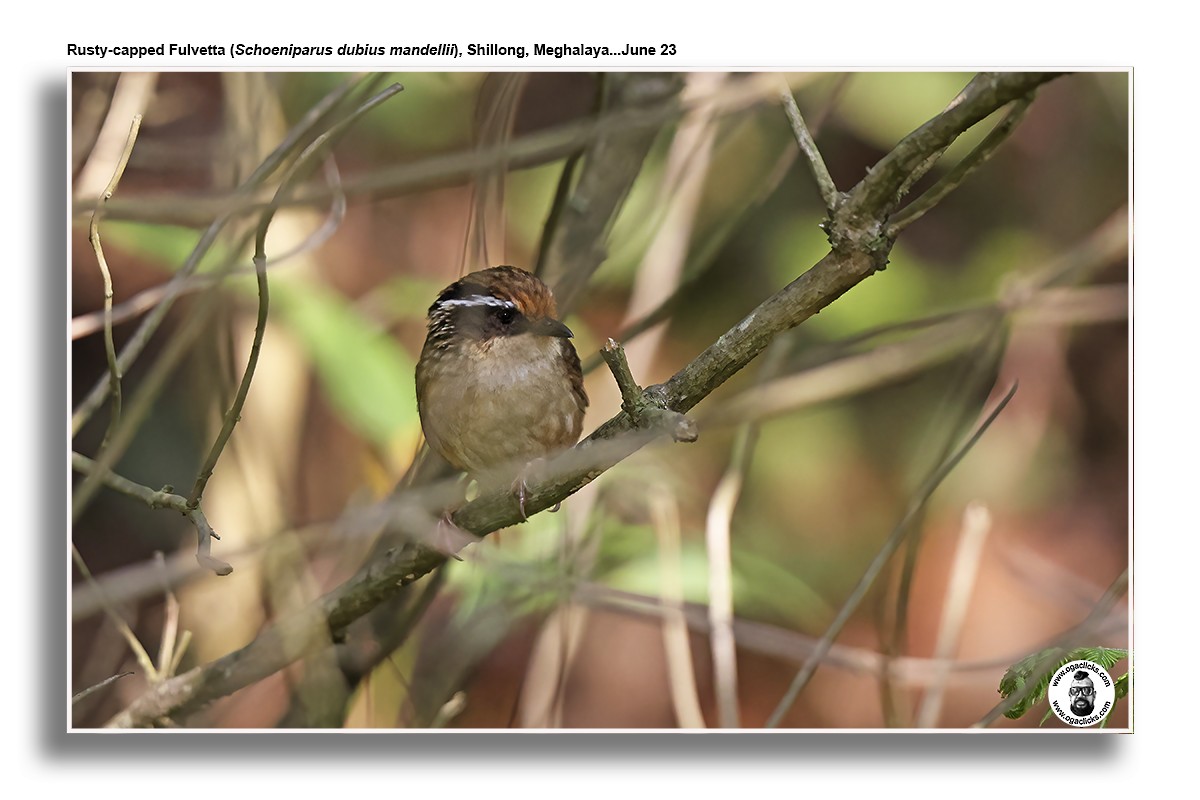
{"x":1044,"y":664}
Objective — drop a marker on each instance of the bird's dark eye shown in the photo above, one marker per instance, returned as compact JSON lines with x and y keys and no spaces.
{"x":506,"y":316}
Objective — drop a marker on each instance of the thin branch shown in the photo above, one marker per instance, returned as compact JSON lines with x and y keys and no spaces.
{"x":297,"y":172}
{"x":720,"y":582}
{"x":88,"y":323}
{"x":981,"y":97}
{"x":977,"y":523}
{"x":962,"y":170}
{"x":130,"y":96}
{"x":639,"y":405}
{"x":791,"y":646}
{"x":139,"y":652}
{"x":879,"y":366}
{"x":825,"y":185}
{"x":700,"y":258}
{"x":717,"y":535}
{"x":110,"y":350}
{"x":172,"y":646}
{"x":163,"y":498}
{"x":681,"y":674}
{"x":112,"y":679}
{"x":915,"y":506}
{"x":831,"y":102}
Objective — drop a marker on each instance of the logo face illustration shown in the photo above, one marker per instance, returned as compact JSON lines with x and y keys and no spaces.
{"x":1081,"y":693}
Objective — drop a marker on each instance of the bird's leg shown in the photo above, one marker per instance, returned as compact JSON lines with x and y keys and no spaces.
{"x":520,"y":485}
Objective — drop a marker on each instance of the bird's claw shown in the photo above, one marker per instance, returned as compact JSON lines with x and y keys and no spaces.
{"x":520,"y":486}
{"x":520,"y":490}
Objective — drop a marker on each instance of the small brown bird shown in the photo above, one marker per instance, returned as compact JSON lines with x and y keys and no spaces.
{"x":498,"y":384}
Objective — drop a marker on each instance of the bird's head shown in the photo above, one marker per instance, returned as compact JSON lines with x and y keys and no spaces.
{"x":493,"y":304}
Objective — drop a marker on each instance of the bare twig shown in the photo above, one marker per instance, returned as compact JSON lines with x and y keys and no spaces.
{"x":720,"y":584}
{"x":130,"y":97}
{"x":139,"y":652}
{"x":163,"y":498}
{"x":680,"y":191}
{"x":977,"y":522}
{"x":825,"y":185}
{"x":639,"y":404}
{"x":297,"y":172}
{"x":963,"y":169}
{"x":791,"y":646}
{"x":847,"y":376}
{"x":717,"y":534}
{"x":112,"y":679}
{"x":90,"y":322}
{"x":915,"y":506}
{"x":110,"y":350}
{"x":681,"y":675}
{"x":985,"y":93}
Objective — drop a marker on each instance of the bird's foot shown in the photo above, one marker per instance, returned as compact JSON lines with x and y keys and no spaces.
{"x":520,"y":485}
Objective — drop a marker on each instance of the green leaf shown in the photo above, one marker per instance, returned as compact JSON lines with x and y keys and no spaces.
{"x":1106,"y":657}
{"x":366,"y":375}
{"x":1122,"y":686}
{"x":1046,"y":664}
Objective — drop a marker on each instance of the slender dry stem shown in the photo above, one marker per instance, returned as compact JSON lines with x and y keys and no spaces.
{"x":816,"y":164}
{"x":298,"y":171}
{"x":75,"y":698}
{"x":962,"y":170}
{"x":681,"y":674}
{"x":139,"y":652}
{"x":977,"y":523}
{"x":110,"y":350}
{"x":915,"y":506}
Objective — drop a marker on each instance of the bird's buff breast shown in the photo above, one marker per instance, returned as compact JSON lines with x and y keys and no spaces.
{"x":499,"y":405}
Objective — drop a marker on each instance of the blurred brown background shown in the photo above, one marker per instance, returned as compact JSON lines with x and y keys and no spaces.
{"x":525,"y":631}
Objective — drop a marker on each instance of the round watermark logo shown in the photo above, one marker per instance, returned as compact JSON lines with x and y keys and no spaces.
{"x":1081,"y":693}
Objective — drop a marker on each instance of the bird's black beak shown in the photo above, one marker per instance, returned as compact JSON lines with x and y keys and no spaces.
{"x":551,"y":327}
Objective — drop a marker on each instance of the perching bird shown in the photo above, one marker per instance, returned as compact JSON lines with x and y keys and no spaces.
{"x":498,"y":383}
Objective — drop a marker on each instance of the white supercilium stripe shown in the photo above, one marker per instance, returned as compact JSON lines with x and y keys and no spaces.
{"x":478,"y":300}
